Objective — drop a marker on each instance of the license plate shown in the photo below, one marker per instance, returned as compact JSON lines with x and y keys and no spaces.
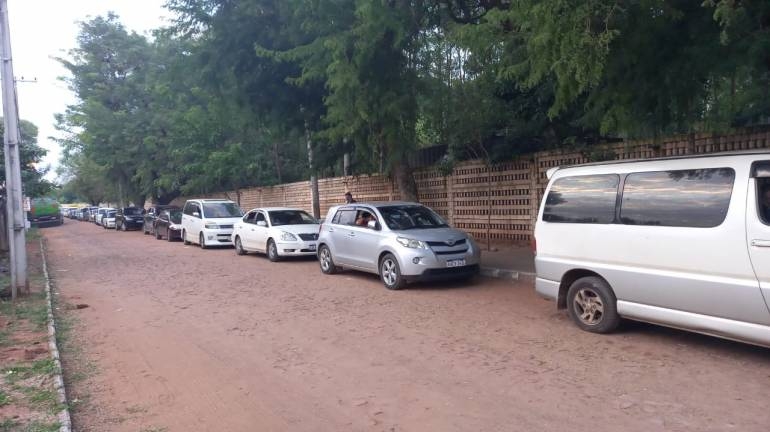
{"x":455,"y":263}
{"x":311,"y":246}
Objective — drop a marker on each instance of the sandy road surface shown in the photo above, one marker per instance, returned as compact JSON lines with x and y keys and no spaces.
{"x":184,"y":339}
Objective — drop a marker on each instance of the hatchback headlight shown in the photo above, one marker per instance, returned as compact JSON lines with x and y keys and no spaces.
{"x":412,"y":243}
{"x":211,"y":226}
{"x":287,"y":236}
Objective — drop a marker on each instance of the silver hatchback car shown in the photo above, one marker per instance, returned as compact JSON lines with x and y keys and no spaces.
{"x":400,"y":241}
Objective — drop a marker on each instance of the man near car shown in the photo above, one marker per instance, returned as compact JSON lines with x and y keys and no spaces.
{"x":349,"y":198}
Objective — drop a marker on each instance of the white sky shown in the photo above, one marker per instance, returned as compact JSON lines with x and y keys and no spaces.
{"x":44,"y":29}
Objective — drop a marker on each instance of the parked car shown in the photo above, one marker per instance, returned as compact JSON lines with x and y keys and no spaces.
{"x":100,"y":212}
{"x":400,"y":241}
{"x":85,"y":214}
{"x":209,"y":222}
{"x":108,"y":220}
{"x":681,"y":242}
{"x":128,"y":218}
{"x":277,"y":231}
{"x":168,"y":224}
{"x":151,"y":214}
{"x":44,"y":212}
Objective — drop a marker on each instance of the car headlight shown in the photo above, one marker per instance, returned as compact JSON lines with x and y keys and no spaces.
{"x":412,"y":243}
{"x":287,"y":236}
{"x":211,"y":226}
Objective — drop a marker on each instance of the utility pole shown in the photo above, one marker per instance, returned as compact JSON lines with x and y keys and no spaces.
{"x":15,"y":210}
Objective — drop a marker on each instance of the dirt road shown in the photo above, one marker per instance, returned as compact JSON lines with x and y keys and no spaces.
{"x":183,"y":339}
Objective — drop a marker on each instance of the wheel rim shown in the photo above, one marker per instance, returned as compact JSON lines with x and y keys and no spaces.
{"x":273,"y":250}
{"x":389,"y":273}
{"x":238,"y":246}
{"x":325,"y":259}
{"x":589,"y":307}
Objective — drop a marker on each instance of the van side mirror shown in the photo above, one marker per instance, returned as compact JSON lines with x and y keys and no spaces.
{"x":261,"y":223}
{"x":196,"y":214}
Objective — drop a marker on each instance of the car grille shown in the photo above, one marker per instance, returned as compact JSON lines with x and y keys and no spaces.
{"x":308,"y":237}
{"x":225,"y":226}
{"x":445,"y":244}
{"x":444,"y":248}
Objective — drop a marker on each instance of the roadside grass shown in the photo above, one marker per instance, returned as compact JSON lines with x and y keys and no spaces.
{"x":28,"y":399}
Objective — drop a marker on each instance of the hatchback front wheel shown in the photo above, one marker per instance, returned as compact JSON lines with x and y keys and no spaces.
{"x":390,"y":273}
{"x":326,"y":260}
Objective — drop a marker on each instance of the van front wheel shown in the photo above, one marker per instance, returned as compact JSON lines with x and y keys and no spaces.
{"x":592,"y":305}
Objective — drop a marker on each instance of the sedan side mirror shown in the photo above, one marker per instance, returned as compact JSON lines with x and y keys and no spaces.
{"x":373,"y":225}
{"x":261,"y":223}
{"x":196,"y":214}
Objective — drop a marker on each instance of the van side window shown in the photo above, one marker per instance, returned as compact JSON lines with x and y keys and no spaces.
{"x":686,"y":198}
{"x":582,"y":199}
{"x":763,"y":198}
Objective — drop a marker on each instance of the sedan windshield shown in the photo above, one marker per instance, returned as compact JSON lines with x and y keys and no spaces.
{"x":411,"y":217}
{"x":132,"y":211}
{"x":221,"y":210}
{"x":290,"y":217}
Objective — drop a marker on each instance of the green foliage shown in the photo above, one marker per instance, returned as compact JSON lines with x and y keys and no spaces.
{"x":229,"y":95}
{"x":30,"y":155}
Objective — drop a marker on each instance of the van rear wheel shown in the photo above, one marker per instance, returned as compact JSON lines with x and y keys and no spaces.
{"x":592,"y":305}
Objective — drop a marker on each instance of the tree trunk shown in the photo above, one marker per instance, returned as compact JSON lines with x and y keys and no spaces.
{"x":313,"y":177}
{"x":407,"y":187}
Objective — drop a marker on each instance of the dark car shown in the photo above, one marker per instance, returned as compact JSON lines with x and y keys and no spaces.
{"x":129,"y":218}
{"x":168,"y":224}
{"x":152,"y":214}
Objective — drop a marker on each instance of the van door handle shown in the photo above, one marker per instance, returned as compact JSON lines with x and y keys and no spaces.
{"x":761,"y":243}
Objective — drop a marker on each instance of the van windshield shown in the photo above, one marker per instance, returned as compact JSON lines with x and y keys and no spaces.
{"x":407,"y":217}
{"x":221,"y":210}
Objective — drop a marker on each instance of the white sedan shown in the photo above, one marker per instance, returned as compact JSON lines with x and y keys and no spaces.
{"x":277,"y":231}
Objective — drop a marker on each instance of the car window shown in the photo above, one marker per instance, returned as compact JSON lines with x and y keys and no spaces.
{"x":407,"y":217}
{"x":221,"y":210}
{"x":763,"y":200}
{"x":345,"y":217}
{"x":249,"y":218}
{"x":684,"y":198}
{"x":290,"y":217}
{"x":582,"y":199}
{"x":175,"y":216}
{"x":260,"y":217}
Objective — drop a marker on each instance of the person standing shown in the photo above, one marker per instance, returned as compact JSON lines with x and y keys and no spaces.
{"x":349,"y":198}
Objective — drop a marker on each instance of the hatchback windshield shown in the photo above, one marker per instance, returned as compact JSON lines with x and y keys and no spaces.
{"x":132,"y":211}
{"x":411,"y":217}
{"x":110,"y":214}
{"x":290,"y":217}
{"x":221,"y":210}
{"x":175,"y":216}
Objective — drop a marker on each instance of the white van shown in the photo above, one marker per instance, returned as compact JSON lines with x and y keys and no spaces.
{"x":682,"y":242}
{"x":209,"y":222}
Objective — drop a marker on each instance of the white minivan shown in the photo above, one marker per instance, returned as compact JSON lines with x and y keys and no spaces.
{"x":209,"y":222}
{"x":683,"y":242}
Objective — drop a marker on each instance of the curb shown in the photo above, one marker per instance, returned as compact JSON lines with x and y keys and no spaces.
{"x":499,"y":273}
{"x":58,"y":382}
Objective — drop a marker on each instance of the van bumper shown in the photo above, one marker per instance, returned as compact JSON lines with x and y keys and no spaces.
{"x":547,"y":288}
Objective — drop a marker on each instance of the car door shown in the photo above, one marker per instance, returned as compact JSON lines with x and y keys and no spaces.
{"x":242,"y":229}
{"x":261,"y":230}
{"x":339,"y":233}
{"x":195,"y":223}
{"x":758,"y":225}
{"x":363,"y":243}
